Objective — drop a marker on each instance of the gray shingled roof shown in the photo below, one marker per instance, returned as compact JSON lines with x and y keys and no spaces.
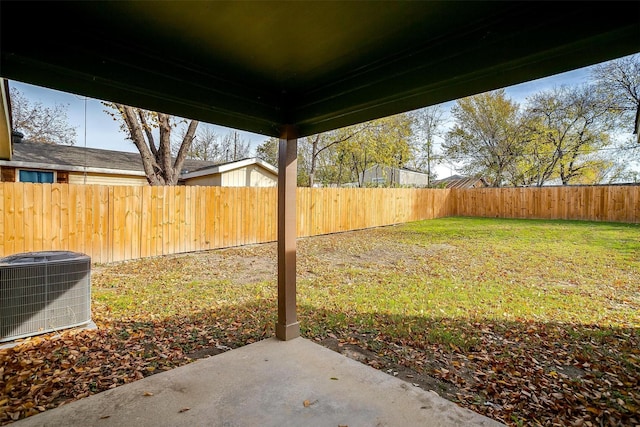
{"x":69,"y":155}
{"x":458,"y":181}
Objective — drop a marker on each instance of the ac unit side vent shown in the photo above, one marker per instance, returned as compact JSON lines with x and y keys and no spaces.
{"x":43,"y":292}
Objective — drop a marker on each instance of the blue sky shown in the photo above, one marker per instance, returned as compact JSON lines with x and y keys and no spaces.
{"x":97,"y":129}
{"x":103,"y":132}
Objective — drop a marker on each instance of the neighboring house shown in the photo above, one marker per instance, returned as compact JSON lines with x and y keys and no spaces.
{"x":48,"y":163}
{"x":386,"y":176}
{"x":554,"y":182}
{"x":457,"y":181}
{"x":6,"y":121}
{"x":241,"y":173}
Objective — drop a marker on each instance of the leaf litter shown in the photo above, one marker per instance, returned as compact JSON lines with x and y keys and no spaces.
{"x":572,"y":360}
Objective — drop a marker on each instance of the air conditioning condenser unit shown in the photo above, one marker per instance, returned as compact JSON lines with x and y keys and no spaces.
{"x":43,"y":292}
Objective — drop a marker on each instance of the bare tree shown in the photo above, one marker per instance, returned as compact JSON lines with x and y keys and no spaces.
{"x":39,"y":123}
{"x":234,"y":147}
{"x":427,"y":124}
{"x":205,"y":146}
{"x":159,"y":165}
{"x":620,"y":81}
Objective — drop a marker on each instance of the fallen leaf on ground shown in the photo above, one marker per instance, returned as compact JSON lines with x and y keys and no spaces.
{"x":308,"y":403}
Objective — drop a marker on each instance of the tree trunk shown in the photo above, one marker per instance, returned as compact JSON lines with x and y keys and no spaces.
{"x":159,"y":167}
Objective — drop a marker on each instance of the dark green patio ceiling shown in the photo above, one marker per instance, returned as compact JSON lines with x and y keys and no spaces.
{"x":258,"y":66}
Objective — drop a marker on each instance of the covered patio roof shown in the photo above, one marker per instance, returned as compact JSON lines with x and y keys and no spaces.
{"x":292,"y":69}
{"x":318,"y":65}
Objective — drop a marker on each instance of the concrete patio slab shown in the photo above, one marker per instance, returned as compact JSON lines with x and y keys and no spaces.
{"x":269,"y":383}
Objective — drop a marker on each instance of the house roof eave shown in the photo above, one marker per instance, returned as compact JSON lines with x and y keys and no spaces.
{"x":68,"y":168}
{"x":229,"y":167}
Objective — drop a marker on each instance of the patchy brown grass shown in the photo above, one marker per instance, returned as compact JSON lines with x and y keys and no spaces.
{"x":527,"y":322}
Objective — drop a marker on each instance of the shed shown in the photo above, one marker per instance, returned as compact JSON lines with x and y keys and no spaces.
{"x":252,"y":172}
{"x":380,"y":175}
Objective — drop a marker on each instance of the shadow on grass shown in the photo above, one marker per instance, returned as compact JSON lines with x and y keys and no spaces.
{"x":514,"y":372}
{"x":507,"y":370}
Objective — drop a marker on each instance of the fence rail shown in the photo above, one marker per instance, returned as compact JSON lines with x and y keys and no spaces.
{"x":124,"y":222}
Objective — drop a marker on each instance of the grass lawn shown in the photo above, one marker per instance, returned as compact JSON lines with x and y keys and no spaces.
{"x":528,"y":322}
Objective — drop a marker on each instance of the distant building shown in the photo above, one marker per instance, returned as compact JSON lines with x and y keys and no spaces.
{"x":386,"y":176}
{"x":48,"y":163}
{"x":458,"y":181}
{"x":6,"y":121}
{"x":252,"y":172}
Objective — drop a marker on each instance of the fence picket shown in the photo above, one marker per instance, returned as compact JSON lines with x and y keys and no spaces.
{"x":28,"y":216}
{"x":119,"y":223}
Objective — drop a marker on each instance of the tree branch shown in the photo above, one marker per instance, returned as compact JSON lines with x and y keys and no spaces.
{"x":147,"y":130}
{"x":135,"y":130}
{"x":185,"y":146}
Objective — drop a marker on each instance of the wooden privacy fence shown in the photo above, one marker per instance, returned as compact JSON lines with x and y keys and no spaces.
{"x":124,"y":222}
{"x":614,"y":203}
{"x":331,"y":210}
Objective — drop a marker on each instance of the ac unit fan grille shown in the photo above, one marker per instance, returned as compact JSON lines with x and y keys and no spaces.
{"x":44,"y":295}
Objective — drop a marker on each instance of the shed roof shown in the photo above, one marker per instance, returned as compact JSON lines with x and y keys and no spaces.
{"x":228,"y":166}
{"x":458,"y":181}
{"x":316,"y":65}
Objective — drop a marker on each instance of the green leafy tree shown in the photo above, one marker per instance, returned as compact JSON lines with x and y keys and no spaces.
{"x":341,"y":156}
{"x":487,"y":135}
{"x":268,"y":151}
{"x":383,"y":142}
{"x":319,"y":157}
{"x":322,"y":143}
{"x":40,"y":123}
{"x":569,"y":126}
